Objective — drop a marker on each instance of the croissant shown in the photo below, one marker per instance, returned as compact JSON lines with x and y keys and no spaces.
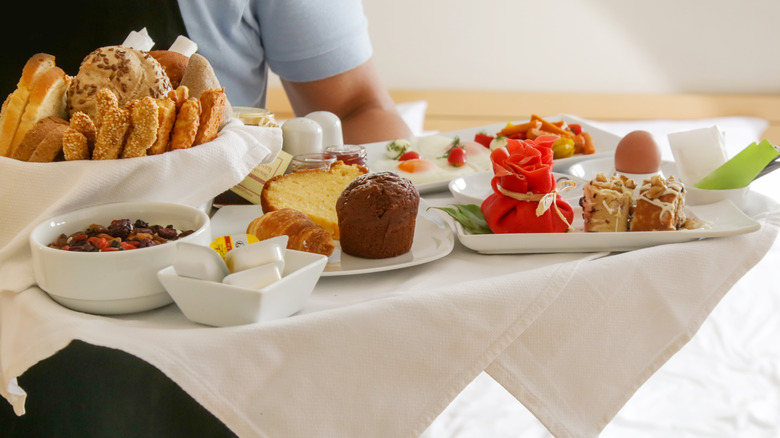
{"x":304,"y":234}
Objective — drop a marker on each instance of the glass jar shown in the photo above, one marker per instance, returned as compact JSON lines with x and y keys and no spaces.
{"x":316,"y":160}
{"x":348,"y":153}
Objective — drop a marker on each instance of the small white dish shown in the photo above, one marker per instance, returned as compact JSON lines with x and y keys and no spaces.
{"x":256,"y":277}
{"x":696,"y":196}
{"x":199,"y":261}
{"x":256,"y":254}
{"x":587,"y":170}
{"x":221,"y":305}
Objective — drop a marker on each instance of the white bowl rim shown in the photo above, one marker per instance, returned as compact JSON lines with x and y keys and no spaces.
{"x":202,"y":219}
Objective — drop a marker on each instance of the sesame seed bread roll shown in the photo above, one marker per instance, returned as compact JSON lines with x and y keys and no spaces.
{"x":129,"y":73}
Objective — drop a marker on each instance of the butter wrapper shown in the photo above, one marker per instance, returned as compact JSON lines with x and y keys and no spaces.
{"x":252,"y":185}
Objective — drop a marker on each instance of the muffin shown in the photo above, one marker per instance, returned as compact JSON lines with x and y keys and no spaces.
{"x":377,"y":213}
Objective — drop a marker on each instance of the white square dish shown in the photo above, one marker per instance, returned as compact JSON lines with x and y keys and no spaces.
{"x":221,"y":305}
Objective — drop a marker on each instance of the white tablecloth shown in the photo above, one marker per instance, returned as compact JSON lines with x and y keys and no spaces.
{"x":572,"y":336}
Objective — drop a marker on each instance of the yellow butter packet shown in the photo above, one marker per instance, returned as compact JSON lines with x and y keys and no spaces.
{"x":225,"y":243}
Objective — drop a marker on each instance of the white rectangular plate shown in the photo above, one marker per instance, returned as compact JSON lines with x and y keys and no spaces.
{"x":604,"y":142}
{"x":723,"y":219}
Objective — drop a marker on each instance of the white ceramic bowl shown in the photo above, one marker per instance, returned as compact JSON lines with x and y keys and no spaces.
{"x":697,"y":196}
{"x":111,"y":282}
{"x":221,"y":305}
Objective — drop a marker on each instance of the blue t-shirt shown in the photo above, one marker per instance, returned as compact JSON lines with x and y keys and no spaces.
{"x":299,"y":40}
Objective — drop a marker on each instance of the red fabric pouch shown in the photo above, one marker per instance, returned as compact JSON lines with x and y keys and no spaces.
{"x":522,"y":177}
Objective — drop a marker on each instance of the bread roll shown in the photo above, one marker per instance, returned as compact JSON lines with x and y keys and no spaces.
{"x":50,"y":147}
{"x":303,"y":233}
{"x":36,"y":136}
{"x":174,"y":64}
{"x":199,"y":77}
{"x":15,"y":103}
{"x":129,"y":73}
{"x":47,"y":98}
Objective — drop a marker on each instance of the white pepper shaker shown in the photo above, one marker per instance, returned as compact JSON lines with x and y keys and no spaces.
{"x":301,"y":136}
{"x":332,"y":134}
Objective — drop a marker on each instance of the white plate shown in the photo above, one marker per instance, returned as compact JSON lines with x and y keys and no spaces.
{"x":724,"y":219}
{"x":433,"y":239}
{"x":588,"y":169}
{"x":605,"y":143}
{"x":474,"y":188}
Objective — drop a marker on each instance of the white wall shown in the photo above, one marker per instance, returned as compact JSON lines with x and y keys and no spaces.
{"x":721,"y":46}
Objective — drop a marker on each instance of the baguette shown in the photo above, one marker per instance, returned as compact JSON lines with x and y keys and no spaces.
{"x":15,"y":103}
{"x":47,"y":98}
{"x":303,"y":233}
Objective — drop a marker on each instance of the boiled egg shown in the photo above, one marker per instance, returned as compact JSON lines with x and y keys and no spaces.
{"x":637,"y":153}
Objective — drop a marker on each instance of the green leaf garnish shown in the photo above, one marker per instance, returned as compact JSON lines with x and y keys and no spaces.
{"x":469,"y":215}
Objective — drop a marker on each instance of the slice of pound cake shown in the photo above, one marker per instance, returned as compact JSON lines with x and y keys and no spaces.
{"x":313,"y":192}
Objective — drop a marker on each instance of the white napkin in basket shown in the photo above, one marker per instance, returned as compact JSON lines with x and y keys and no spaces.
{"x":33,"y":192}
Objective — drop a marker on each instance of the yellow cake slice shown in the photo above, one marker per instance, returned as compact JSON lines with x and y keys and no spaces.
{"x":313,"y":192}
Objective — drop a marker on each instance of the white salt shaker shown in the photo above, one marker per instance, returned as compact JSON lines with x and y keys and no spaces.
{"x":332,"y":134}
{"x":301,"y":136}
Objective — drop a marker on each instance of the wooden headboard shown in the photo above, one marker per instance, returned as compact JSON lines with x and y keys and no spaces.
{"x":450,"y":110}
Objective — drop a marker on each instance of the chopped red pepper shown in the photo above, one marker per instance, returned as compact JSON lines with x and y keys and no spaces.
{"x":483,"y":139}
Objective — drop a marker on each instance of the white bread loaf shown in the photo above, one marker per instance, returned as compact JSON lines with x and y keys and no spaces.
{"x":47,"y":98}
{"x":15,"y":103}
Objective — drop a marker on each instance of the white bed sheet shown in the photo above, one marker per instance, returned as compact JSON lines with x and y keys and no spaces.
{"x":724,"y":383}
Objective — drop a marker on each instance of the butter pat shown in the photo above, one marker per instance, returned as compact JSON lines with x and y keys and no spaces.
{"x":259,"y":253}
{"x":223,"y":245}
{"x":697,"y":152}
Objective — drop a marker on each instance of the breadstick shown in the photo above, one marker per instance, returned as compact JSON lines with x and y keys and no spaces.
{"x":166,"y":113}
{"x":144,"y":118}
{"x":104,"y":100}
{"x":212,"y":103}
{"x":179,"y":95}
{"x":75,"y":144}
{"x":81,"y":122}
{"x":186,"y":127}
{"x":115,"y":123}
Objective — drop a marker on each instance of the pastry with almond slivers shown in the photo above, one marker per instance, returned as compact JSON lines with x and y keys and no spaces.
{"x":659,"y":205}
{"x":607,"y":203}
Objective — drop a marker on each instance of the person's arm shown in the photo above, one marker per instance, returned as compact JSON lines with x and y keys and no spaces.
{"x":358,"y":97}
